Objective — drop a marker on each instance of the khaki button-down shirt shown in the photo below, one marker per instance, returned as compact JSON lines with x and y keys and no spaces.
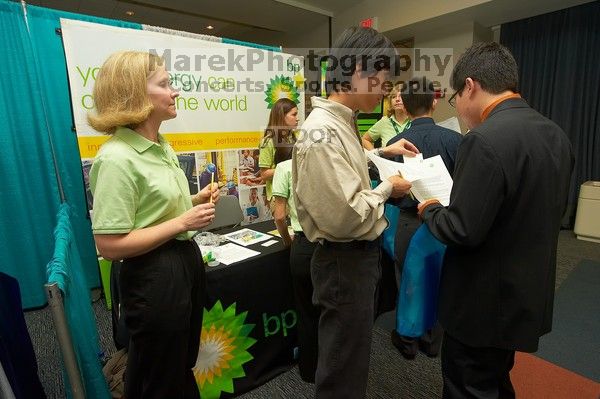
{"x":331,"y":181}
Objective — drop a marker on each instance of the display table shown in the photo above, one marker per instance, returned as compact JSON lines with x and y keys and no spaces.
{"x":249,"y":328}
{"x":261,"y":286}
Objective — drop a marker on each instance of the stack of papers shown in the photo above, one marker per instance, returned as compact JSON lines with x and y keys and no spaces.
{"x":429,"y":177}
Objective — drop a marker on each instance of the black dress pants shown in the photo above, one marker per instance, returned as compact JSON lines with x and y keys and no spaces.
{"x":345,"y":277}
{"x":301,"y":254}
{"x":476,"y":373}
{"x":163,"y":300}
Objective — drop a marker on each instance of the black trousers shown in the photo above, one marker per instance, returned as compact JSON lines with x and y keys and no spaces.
{"x":301,"y":254}
{"x":408,"y":223}
{"x":476,"y":373}
{"x":162,"y":300}
{"x":345,"y":277}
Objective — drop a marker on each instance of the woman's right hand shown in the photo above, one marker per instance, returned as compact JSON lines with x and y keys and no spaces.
{"x":199,"y":216}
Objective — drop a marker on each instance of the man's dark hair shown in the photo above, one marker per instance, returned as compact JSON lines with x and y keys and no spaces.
{"x":358,"y":46}
{"x":417,"y":95}
{"x":490,"y":64}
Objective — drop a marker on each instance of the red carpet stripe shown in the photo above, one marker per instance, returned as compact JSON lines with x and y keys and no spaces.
{"x":535,"y":378}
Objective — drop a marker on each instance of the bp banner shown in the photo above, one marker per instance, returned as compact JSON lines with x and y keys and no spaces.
{"x":226,"y":93}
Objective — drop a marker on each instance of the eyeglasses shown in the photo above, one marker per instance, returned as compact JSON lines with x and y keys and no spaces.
{"x":452,"y":100}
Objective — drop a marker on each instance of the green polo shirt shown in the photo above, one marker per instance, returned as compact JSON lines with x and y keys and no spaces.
{"x":384,"y":129}
{"x":137,"y":183}
{"x":266,"y":159}
{"x":282,"y":187}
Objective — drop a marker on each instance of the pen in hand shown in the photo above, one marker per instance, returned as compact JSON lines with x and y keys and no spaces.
{"x":410,"y":194}
{"x":212,"y":180}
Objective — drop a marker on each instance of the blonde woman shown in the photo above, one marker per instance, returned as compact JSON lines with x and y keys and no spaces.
{"x":395,"y":122}
{"x":145,"y":215}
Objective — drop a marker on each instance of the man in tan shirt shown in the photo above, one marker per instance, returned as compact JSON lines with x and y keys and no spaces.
{"x":338,"y":209}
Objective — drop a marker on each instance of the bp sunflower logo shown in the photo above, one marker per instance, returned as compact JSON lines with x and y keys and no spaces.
{"x":223,"y":350}
{"x":281,"y":87}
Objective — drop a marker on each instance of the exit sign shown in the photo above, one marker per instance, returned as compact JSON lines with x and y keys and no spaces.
{"x":369,"y":23}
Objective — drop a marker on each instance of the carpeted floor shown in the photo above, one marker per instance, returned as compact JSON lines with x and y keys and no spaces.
{"x":566,"y":364}
{"x":536,"y":378}
{"x":576,"y":313}
{"x":390,"y":375}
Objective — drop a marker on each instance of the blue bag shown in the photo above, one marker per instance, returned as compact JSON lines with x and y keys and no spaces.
{"x":416,"y":310}
{"x":392,"y":213}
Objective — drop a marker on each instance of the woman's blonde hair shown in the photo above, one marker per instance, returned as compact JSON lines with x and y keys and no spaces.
{"x":121,"y":91}
{"x":395,"y":90}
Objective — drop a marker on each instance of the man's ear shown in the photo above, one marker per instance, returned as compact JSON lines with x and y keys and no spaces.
{"x":472,"y":86}
{"x":434,"y":104}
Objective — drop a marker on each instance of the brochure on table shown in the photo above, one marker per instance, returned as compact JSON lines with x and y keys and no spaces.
{"x":230,"y":253}
{"x":247,"y":237}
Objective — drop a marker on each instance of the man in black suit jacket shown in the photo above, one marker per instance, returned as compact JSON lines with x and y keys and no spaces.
{"x":418,"y":97}
{"x":510,"y":190}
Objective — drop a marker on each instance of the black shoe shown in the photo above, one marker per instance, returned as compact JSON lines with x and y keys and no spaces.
{"x":431,"y":350}
{"x":407,"y":346}
{"x":307,"y":376}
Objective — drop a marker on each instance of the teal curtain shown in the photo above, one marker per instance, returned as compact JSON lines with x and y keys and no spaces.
{"x":35,"y":111}
{"x":29,"y":197}
{"x":62,"y":269}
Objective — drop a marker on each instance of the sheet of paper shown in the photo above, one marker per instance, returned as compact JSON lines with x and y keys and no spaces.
{"x":247,"y":237}
{"x":429,"y":177}
{"x":416,"y":159}
{"x":230,"y":253}
{"x":435,"y":181}
{"x":451,"y":123}
{"x":386,"y":167}
{"x":268,"y":243}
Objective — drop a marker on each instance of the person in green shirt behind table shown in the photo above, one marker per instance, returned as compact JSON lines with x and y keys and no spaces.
{"x":395,"y":122}
{"x":279,"y":133}
{"x":301,"y":252}
{"x":144,"y":214}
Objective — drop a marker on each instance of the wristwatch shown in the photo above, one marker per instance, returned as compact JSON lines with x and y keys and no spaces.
{"x":379,"y":152}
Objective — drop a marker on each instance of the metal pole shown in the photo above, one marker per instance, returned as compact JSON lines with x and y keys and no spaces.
{"x":64,"y":339}
{"x":36,"y":62}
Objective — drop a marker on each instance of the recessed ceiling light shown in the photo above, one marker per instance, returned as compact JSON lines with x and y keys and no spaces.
{"x":129,"y":13}
{"x":210,"y":27}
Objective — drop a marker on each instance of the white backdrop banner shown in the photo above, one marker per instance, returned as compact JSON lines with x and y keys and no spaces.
{"x":226,"y":90}
{"x":226,"y":93}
